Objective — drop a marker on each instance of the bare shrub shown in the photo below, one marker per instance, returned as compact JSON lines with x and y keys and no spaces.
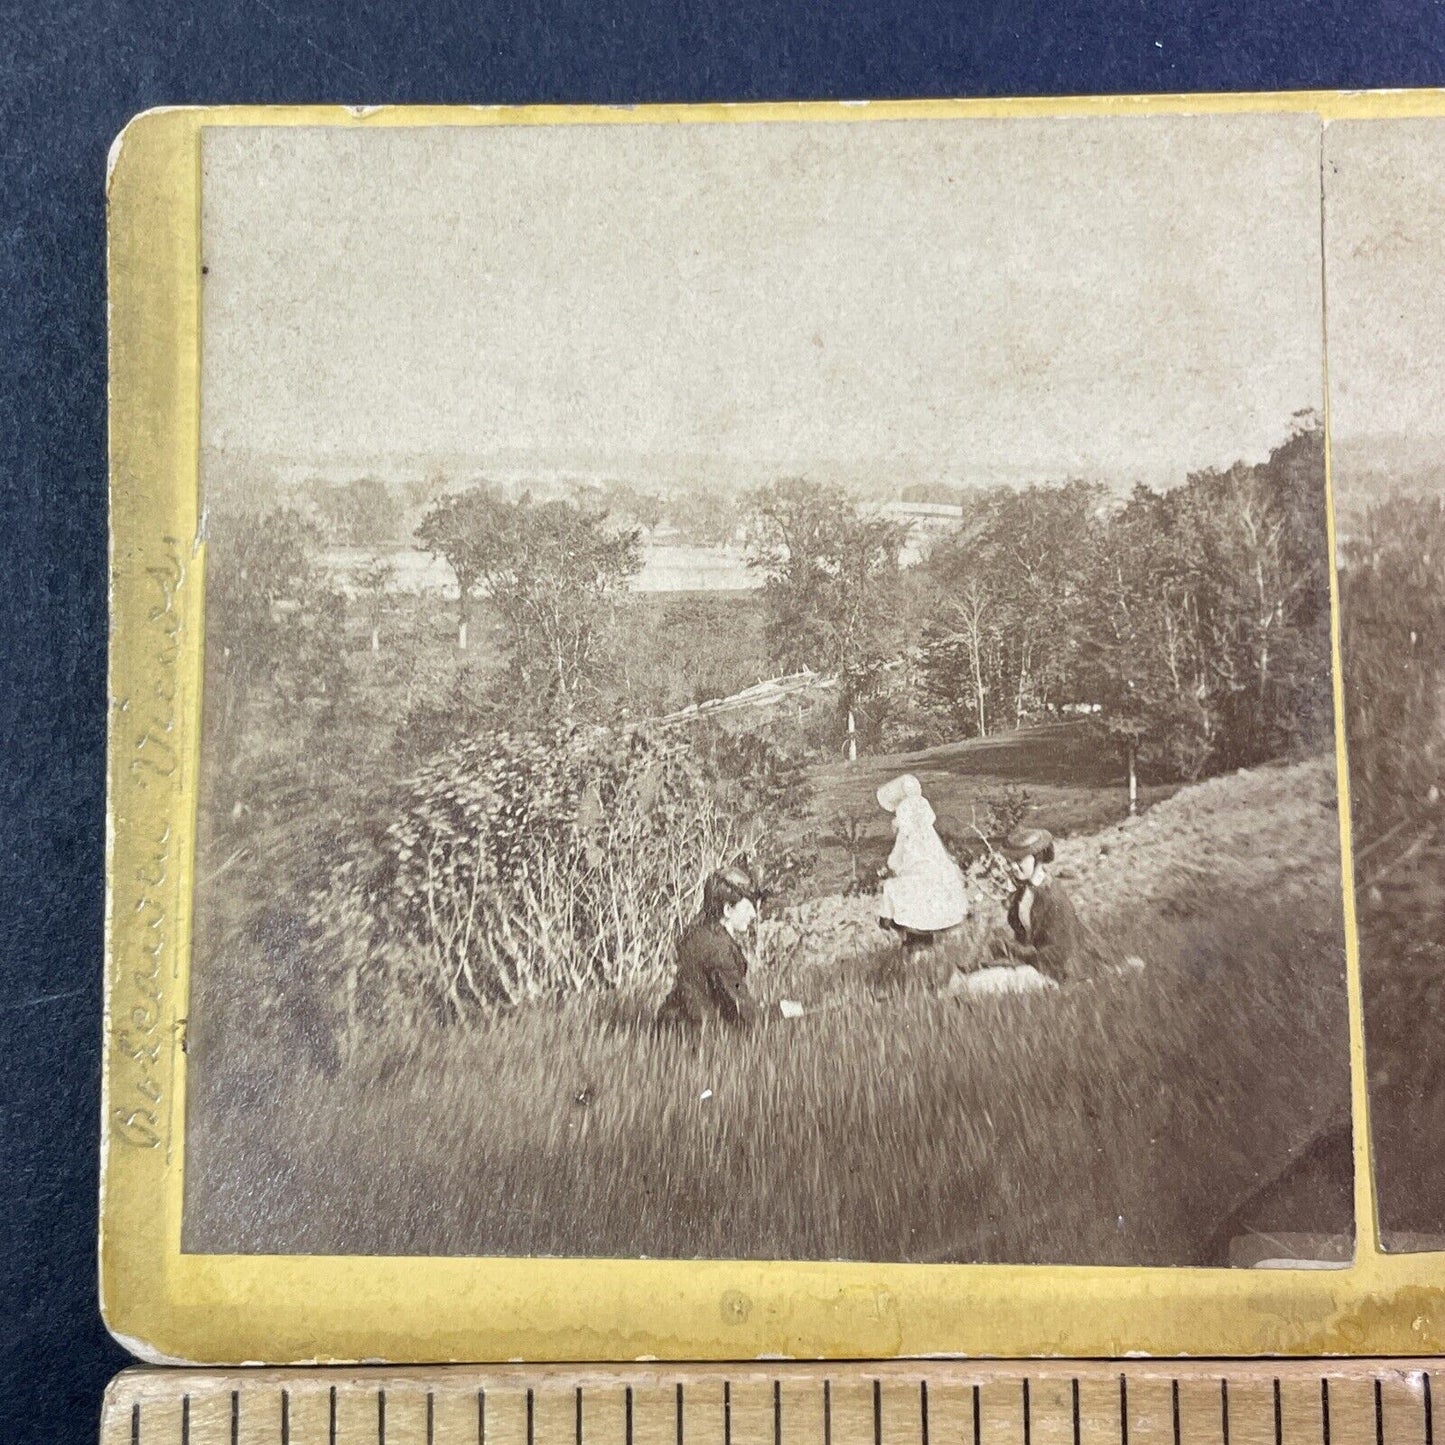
{"x":521,"y":868}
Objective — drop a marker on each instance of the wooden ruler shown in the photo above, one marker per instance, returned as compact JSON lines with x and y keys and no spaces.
{"x":1295,"y":1402}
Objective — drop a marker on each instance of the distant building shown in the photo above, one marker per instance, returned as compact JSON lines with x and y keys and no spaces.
{"x":926,"y":523}
{"x":940,"y":514}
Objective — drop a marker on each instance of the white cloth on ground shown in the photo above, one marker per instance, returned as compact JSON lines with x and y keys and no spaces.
{"x":999,"y":979}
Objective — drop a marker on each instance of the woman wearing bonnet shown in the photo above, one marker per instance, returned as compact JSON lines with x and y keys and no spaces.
{"x":923,"y":895}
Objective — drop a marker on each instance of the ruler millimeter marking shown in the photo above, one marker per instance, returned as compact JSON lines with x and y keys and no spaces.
{"x":1300,"y":1402}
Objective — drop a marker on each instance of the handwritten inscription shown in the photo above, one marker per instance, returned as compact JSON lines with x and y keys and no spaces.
{"x":153,"y":763}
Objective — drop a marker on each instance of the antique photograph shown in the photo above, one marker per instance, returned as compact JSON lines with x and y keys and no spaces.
{"x":767,"y":688}
{"x":1385,"y":286}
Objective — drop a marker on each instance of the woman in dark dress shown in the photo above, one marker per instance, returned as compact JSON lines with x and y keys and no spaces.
{"x":1043,"y":927}
{"x":1039,"y":948}
{"x":712,"y":969}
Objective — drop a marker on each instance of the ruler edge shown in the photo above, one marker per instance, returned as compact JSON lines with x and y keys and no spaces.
{"x":138,"y":1386}
{"x":947,"y":1370}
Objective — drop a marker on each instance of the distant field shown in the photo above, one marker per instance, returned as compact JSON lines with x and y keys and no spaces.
{"x":666,"y":567}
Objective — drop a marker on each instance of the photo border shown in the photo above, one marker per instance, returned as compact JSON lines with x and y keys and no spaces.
{"x":166,"y":1305}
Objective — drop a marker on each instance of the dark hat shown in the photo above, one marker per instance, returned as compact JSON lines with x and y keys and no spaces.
{"x":1025,"y":841}
{"x":740,"y":879}
{"x":725,"y":887}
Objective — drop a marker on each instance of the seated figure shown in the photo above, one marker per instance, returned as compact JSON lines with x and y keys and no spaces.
{"x":712,"y":969}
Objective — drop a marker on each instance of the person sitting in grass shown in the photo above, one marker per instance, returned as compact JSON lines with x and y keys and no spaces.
{"x":712,"y":969}
{"x":924,"y":895}
{"x":1043,"y":929}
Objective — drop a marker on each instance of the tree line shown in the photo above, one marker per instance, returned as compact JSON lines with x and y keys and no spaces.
{"x":367,"y":512}
{"x":1190,"y":625}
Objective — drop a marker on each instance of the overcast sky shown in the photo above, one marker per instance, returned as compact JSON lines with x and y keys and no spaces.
{"x":1385,"y":281}
{"x":939,"y":300}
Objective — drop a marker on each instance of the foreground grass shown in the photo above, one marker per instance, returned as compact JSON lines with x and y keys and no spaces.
{"x":1115,"y":1122}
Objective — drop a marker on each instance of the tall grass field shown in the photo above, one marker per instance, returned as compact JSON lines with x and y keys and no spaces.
{"x":1117,"y":1121}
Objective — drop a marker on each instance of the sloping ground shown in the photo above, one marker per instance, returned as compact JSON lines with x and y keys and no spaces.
{"x":1269,"y":830}
{"x":1261,"y":834}
{"x":1061,"y":773}
{"x":1117,"y":1123}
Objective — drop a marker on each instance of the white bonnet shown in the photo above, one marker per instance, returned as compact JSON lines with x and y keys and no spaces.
{"x":893,"y":792}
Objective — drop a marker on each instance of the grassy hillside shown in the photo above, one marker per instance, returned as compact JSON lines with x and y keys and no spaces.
{"x":1115,"y":1121}
{"x":1056,"y":775}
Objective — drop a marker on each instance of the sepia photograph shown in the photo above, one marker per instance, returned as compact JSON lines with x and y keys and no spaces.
{"x":1385,"y":286}
{"x":767,"y":690}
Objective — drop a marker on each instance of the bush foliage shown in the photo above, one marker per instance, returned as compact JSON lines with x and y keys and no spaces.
{"x":518,"y":867}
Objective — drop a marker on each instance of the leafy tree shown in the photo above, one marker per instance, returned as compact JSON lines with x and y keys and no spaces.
{"x":832,"y":583}
{"x":552,"y":572}
{"x":1011,"y":587}
{"x":1143,"y":651}
{"x":1208,"y":644}
{"x":459,"y":527}
{"x":1037,"y":550}
{"x":275,"y":623}
{"x":963,"y":650}
{"x":1282,"y":540}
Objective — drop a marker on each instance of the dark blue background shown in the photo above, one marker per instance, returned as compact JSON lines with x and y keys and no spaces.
{"x":70,"y":75}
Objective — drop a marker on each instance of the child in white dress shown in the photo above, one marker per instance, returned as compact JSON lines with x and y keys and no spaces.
{"x":924,"y":893}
